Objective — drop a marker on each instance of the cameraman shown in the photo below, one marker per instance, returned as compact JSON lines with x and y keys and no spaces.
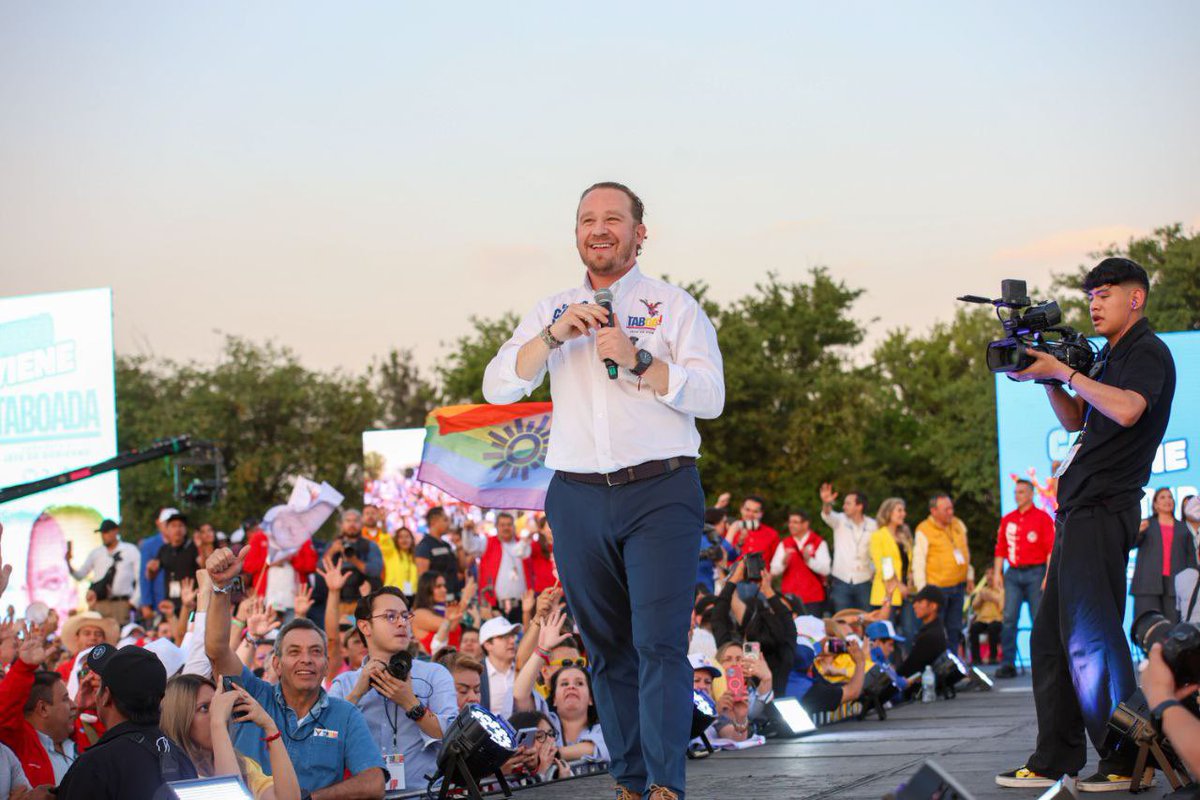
{"x":1180,"y":726}
{"x":405,"y":715}
{"x":714,"y":550}
{"x":1081,"y":662}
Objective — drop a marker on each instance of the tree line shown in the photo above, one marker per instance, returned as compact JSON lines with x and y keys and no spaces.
{"x":803,"y":404}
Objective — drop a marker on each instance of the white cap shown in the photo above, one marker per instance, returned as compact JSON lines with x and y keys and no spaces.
{"x":129,"y":628}
{"x":170,"y":654}
{"x":496,"y":626}
{"x":810,"y":628}
{"x":700,"y":661}
{"x":167,"y":513}
{"x":238,"y":536}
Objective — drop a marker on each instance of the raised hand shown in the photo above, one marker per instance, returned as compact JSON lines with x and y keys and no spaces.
{"x":546,"y":601}
{"x":550,"y":635}
{"x":528,"y":601}
{"x":189,"y":593}
{"x":303,"y":600}
{"x":828,"y":495}
{"x":332,"y":574}
{"x":223,"y":566}
{"x":261,"y":619}
{"x":33,"y":651}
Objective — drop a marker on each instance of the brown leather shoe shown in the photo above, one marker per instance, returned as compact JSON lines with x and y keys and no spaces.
{"x":661,"y":793}
{"x":626,"y":794}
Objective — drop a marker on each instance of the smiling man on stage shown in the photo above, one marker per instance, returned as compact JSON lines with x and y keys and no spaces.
{"x":625,"y":502}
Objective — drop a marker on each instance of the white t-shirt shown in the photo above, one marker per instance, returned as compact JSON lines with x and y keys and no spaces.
{"x":1185,"y":585}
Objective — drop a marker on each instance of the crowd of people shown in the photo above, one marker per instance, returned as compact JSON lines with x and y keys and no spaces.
{"x":335,"y":670}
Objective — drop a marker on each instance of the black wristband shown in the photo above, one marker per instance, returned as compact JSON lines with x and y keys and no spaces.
{"x":1157,"y":712}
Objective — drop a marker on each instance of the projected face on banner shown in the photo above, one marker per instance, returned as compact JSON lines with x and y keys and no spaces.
{"x":47,"y":576}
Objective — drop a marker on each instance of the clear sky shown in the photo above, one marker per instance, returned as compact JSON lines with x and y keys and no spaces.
{"x":344,"y":177}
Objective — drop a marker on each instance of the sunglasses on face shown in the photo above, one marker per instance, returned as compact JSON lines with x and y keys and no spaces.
{"x":569,"y":662}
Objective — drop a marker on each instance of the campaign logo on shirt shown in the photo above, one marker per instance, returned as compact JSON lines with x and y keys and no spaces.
{"x":558,"y":312}
{"x":652,"y":319}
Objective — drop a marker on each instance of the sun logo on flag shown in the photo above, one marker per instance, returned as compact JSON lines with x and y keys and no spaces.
{"x":520,"y":449}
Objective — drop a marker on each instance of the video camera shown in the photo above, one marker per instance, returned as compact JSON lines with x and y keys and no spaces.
{"x":1038,"y":328}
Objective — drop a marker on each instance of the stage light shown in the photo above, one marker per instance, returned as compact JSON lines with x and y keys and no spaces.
{"x":475,"y":746}
{"x":1058,"y":791}
{"x":1130,"y":729}
{"x":704,"y":713}
{"x":223,"y":787}
{"x":790,"y":718}
{"x":949,"y":670}
{"x":931,"y":782}
{"x":980,"y":679}
{"x":878,"y":688}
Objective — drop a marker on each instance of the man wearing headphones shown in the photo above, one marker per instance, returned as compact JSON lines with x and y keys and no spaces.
{"x":1081,"y":662}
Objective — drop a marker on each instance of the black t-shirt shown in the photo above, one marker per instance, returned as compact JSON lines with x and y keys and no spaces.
{"x":178,"y":562}
{"x":123,"y":764}
{"x":1113,"y":463}
{"x":441,"y":559}
{"x":929,"y":643}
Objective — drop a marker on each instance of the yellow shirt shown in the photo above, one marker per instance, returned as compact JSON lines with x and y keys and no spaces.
{"x":990,"y":607}
{"x":391,"y":556}
{"x":257,"y":781}
{"x":843,"y":662}
{"x":883,"y":546}
{"x":938,"y":552}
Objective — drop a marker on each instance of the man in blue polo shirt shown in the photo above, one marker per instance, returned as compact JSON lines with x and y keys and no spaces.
{"x":325,"y":737}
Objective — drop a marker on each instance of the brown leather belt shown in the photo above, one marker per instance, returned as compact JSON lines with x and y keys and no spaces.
{"x":648,"y":469}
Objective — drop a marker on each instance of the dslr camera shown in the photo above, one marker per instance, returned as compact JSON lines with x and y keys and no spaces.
{"x":713,"y":552}
{"x":400,"y":665}
{"x":1038,"y":327}
{"x":1180,"y":644}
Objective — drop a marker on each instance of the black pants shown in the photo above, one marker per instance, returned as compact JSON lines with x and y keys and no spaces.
{"x":1163,"y":602}
{"x":994,"y":631}
{"x":1081,"y":662}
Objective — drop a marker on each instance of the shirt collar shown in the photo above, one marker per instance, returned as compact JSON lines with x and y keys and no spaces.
{"x":1135,"y":332}
{"x":313,"y":713}
{"x":627,"y":281}
{"x":68,"y":746}
{"x":493,"y":670}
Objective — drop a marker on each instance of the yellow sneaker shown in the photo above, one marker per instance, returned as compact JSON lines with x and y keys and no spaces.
{"x":1024,"y":779}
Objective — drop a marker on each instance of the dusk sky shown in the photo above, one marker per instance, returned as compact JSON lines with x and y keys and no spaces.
{"x":347,"y":177}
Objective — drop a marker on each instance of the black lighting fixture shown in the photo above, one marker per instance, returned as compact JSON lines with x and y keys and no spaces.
{"x":475,"y":746}
{"x":930,"y":782}
{"x":704,"y":713}
{"x":1059,"y":791}
{"x":1130,"y":730}
{"x":949,"y":670}
{"x":789,"y":719}
{"x":878,"y":688}
{"x":980,"y":680}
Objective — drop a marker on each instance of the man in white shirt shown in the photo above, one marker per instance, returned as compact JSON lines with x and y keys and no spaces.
{"x":115,"y":567}
{"x":625,"y":503}
{"x":498,"y":638}
{"x":852,"y":567}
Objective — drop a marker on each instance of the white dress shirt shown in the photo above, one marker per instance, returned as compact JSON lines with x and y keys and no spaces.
{"x":601,"y":425}
{"x":500,"y":688}
{"x":125,"y":579}
{"x":59,"y":762}
{"x":510,"y":577}
{"x":851,"y":547}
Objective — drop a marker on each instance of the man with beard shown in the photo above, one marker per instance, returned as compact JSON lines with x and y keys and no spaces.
{"x":625,"y":502}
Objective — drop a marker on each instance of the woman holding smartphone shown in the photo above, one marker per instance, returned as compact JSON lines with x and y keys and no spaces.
{"x":196,"y":714}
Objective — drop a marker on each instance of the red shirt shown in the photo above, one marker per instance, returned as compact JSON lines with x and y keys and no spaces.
{"x":1025,"y":538}
{"x":798,"y":578}
{"x":763,"y":540}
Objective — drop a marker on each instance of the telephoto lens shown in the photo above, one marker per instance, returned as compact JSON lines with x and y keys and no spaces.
{"x":1180,"y":644}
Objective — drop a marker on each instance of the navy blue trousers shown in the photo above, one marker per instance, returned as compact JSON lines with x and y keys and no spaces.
{"x":627,"y":559}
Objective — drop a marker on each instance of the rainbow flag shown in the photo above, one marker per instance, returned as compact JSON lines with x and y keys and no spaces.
{"x":491,"y":456}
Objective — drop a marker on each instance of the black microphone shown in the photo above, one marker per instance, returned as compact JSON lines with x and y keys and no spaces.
{"x":604,"y":299}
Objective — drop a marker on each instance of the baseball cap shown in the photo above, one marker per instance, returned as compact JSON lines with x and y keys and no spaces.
{"x":170,"y":654}
{"x":167,"y":513}
{"x":883,"y":629}
{"x":133,"y":674}
{"x":497,"y":626}
{"x":700,"y":661}
{"x":178,"y":516}
{"x":933,"y":594}
{"x":106,"y":526}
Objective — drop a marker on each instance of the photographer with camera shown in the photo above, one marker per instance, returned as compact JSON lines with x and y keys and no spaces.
{"x":1082,"y":666}
{"x":1165,"y":697}
{"x":714,"y":549}
{"x":115,"y":566}
{"x":764,"y":618}
{"x":407,"y":703}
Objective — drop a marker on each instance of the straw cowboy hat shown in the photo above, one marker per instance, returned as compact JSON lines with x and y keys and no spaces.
{"x":71,"y":628}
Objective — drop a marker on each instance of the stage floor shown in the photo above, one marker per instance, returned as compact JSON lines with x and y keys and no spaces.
{"x":973,"y":737}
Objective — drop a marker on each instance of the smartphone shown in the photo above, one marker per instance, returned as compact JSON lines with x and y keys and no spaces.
{"x":835,"y":646}
{"x":752,"y":651}
{"x":229,"y":684}
{"x":735,"y":683}
{"x":755,"y":564}
{"x":526,"y":737}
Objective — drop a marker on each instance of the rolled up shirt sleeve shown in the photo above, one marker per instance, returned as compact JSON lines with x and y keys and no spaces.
{"x":696,"y":383}
{"x":501,"y":383}
{"x":443,"y":702}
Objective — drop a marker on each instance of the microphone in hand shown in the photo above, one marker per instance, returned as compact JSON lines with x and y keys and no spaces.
{"x":604,"y":299}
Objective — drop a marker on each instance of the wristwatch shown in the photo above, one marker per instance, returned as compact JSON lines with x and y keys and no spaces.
{"x":644,"y":360}
{"x":417,"y":712}
{"x":1156,"y":713}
